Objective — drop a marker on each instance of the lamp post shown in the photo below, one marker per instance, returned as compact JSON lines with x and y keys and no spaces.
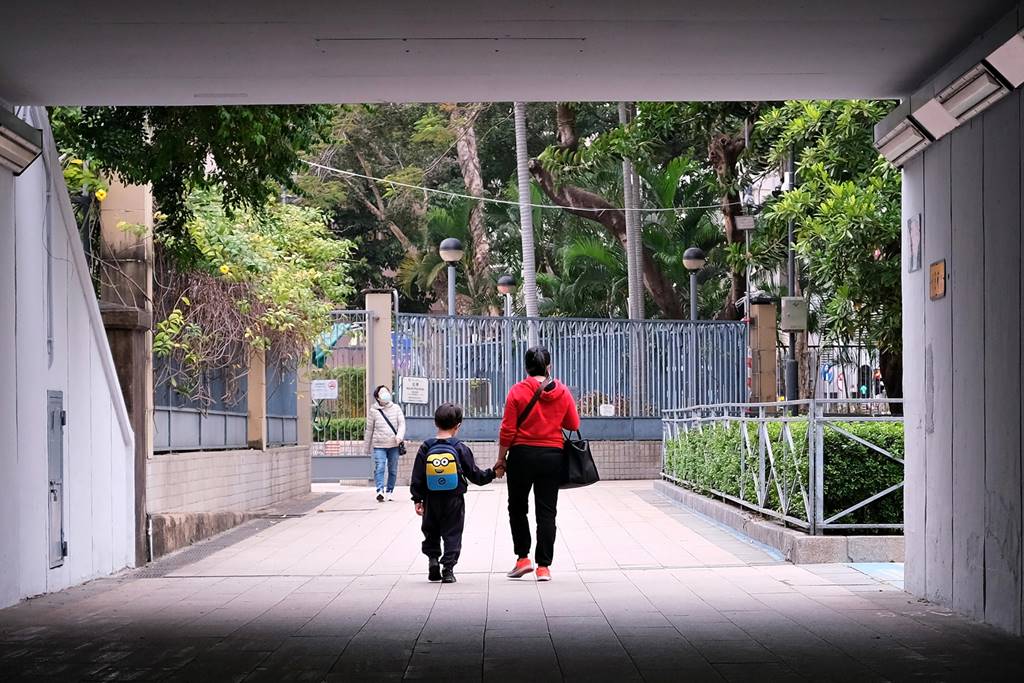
{"x":507,"y":287}
{"x":451,"y":252}
{"x":694,"y":259}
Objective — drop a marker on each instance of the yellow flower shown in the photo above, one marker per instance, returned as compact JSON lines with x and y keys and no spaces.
{"x":76,"y":162}
{"x":122,"y":225}
{"x":225,"y":269}
{"x":101,"y":195}
{"x":160,"y":216}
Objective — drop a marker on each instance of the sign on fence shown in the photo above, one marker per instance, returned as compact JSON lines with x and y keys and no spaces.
{"x":324,"y":389}
{"x":414,"y":390}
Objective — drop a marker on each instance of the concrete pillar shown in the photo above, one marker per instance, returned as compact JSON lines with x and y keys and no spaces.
{"x":379,"y":366}
{"x":126,"y":305}
{"x":130,"y":338}
{"x":763,"y":354}
{"x":256,"y":428}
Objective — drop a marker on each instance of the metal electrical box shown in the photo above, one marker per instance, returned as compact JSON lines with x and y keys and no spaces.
{"x":55,"y":420}
{"x":794,"y":314}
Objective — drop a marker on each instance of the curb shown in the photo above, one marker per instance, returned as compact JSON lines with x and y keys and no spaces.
{"x":795,"y":546}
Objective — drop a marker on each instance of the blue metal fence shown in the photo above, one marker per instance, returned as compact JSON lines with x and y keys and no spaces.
{"x":614,"y":368}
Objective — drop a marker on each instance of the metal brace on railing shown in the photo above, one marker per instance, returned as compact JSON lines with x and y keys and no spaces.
{"x":819,"y":415}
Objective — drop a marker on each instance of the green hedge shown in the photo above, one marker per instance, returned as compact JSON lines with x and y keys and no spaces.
{"x":351,"y":390}
{"x":339,"y":429}
{"x":710,"y":459}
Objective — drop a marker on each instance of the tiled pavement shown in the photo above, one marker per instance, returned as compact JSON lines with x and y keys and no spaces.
{"x":643,"y":591}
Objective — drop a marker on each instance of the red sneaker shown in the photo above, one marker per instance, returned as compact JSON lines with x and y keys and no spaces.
{"x":543,"y":574}
{"x":522,"y":568}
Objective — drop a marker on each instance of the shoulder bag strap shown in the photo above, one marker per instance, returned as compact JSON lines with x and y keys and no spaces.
{"x":381,"y":411}
{"x":529,"y":406}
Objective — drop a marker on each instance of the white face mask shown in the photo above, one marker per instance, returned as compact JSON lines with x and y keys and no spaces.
{"x":384,"y":396}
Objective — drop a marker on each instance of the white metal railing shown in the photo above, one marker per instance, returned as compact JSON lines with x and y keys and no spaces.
{"x":781,"y":453}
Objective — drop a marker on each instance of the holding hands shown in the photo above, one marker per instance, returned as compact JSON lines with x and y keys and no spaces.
{"x":499,"y":468}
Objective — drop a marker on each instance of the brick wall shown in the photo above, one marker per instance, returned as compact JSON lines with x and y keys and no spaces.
{"x":214,"y":481}
{"x":614,"y":459}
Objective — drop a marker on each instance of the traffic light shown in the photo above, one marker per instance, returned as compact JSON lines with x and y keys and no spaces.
{"x":864,"y":380}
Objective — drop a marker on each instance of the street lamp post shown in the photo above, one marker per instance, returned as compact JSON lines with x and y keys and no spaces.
{"x":451,"y":253}
{"x":507,"y":287}
{"x":694,"y":260}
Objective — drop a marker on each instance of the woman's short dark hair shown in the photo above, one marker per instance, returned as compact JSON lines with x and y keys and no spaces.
{"x":448,"y":416}
{"x":376,"y":392}
{"x":538,"y":359}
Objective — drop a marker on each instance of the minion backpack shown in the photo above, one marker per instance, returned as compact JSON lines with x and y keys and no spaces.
{"x":442,"y":466}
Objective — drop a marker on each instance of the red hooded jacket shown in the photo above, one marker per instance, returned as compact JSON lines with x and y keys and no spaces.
{"x":555,"y":410}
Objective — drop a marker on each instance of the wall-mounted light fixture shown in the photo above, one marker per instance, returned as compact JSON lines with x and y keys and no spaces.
{"x":972,"y":93}
{"x":20,"y":143}
{"x":1008,"y":60}
{"x":902,"y":142}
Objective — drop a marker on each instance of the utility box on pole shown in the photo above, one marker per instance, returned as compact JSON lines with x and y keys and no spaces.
{"x":763,"y":354}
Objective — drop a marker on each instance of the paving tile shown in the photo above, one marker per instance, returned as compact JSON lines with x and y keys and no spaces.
{"x":643,"y":590}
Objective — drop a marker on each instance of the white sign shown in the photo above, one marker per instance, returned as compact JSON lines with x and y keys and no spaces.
{"x":324,"y":389}
{"x":414,"y":390}
{"x":745,"y":222}
{"x":606,"y":410}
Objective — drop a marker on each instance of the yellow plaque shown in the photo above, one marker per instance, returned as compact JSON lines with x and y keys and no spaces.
{"x":937,"y":280}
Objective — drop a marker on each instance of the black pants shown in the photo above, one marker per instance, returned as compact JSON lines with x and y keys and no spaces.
{"x":539,"y":468}
{"x":444,"y":515}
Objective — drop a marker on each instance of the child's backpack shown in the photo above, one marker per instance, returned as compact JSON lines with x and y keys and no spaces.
{"x":443,"y":466}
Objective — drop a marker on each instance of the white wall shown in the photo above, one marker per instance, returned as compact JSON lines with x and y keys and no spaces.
{"x":963,"y":368}
{"x":98,"y":441}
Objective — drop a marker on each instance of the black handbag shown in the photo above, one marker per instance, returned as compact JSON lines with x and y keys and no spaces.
{"x":578,"y":468}
{"x":401,"y":444}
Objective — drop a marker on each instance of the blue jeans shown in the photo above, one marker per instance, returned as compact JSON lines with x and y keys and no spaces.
{"x":385,"y":457}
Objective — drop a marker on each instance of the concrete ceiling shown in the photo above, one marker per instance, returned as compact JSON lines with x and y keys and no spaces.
{"x":256,"y":51}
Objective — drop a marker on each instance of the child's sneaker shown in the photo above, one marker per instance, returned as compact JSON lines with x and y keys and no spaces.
{"x":522,"y":568}
{"x":543,"y":574}
{"x":391,"y":495}
{"x":433,"y":569}
{"x":448,"y":575}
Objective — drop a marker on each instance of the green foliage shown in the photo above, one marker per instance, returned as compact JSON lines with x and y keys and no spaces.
{"x":847,"y":215}
{"x":710,"y":459}
{"x":339,"y":429}
{"x":351,"y":400}
{"x":265,"y":278}
{"x":245,"y":152}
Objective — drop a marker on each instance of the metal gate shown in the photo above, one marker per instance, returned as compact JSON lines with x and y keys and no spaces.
{"x":341,"y":354}
{"x":55,"y":420}
{"x":614,"y":368}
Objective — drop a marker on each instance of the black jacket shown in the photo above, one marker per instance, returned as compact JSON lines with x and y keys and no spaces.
{"x":467,"y":467}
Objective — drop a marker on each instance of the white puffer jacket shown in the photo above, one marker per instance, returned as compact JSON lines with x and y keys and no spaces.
{"x":378,"y":433}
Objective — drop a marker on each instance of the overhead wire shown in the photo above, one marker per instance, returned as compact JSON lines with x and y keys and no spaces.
{"x":510,"y":202}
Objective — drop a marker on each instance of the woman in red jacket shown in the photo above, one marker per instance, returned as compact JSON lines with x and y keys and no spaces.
{"x":530,"y":452}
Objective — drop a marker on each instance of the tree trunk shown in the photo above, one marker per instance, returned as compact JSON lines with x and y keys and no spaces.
{"x":462,"y":119}
{"x":724,"y":152}
{"x":526,"y":220}
{"x":891,"y":367}
{"x":592,"y":206}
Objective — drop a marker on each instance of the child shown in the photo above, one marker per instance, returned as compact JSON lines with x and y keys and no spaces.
{"x":438,"y":486}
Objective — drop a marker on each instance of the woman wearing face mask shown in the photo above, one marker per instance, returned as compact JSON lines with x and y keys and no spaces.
{"x":385,"y":432}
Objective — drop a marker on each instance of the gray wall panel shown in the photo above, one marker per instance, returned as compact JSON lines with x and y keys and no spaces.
{"x":938,"y":397}
{"x":914,"y":288}
{"x":1001,"y":195}
{"x":967,"y":299}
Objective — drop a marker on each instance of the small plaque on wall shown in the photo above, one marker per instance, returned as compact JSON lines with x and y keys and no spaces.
{"x":937,"y":280}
